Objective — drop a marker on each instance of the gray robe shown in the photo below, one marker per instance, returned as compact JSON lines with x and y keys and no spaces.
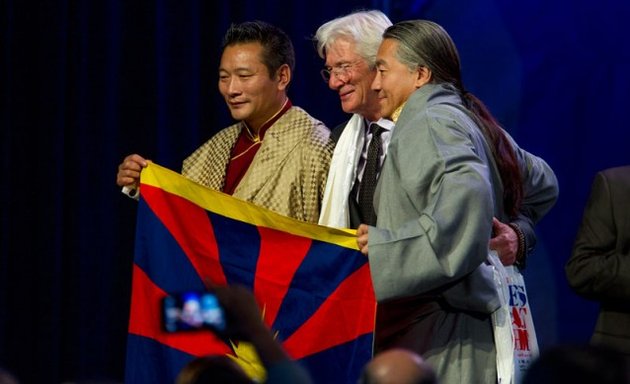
{"x":437,"y":194}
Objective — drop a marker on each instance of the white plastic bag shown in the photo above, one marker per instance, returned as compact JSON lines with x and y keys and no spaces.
{"x":514,"y":333}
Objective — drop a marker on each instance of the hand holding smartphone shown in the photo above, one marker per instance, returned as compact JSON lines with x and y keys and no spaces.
{"x":193,"y":310}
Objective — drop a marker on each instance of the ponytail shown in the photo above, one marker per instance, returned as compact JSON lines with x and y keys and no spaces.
{"x":502,"y":152}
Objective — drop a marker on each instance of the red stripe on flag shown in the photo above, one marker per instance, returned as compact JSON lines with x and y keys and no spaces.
{"x":280,"y":256}
{"x":192,"y":229}
{"x":145,"y":320}
{"x":347,"y":314}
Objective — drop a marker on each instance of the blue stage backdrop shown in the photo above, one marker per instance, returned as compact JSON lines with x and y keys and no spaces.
{"x":84,"y":83}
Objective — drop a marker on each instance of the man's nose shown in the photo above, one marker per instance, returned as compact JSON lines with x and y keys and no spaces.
{"x":335,"y":82}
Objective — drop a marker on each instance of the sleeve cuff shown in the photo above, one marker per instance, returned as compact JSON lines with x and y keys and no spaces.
{"x":521,"y":254}
{"x":133,"y":193}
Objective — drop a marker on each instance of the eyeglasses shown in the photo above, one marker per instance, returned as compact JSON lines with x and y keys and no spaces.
{"x":342,"y":71}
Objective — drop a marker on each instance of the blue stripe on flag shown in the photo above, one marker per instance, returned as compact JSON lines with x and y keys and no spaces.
{"x":159,"y":255}
{"x":143,"y":352}
{"x":239,"y":246}
{"x":334,"y":366}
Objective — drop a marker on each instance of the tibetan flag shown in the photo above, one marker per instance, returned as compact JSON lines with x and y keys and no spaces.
{"x":313,"y":284}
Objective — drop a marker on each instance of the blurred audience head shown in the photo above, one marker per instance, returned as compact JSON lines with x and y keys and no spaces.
{"x":216,"y":369}
{"x":7,"y":378}
{"x":398,"y":366}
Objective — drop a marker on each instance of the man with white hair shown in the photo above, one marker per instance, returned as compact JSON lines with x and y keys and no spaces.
{"x":348,"y":45}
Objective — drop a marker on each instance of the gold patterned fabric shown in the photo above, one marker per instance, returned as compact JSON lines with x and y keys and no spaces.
{"x":287,"y":175}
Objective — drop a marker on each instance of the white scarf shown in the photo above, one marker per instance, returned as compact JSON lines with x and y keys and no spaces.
{"x":342,"y":174}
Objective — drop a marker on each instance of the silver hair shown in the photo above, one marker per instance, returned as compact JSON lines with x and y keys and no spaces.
{"x":364,"y":28}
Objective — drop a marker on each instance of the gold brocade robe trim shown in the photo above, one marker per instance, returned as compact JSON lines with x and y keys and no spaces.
{"x":287,"y":175}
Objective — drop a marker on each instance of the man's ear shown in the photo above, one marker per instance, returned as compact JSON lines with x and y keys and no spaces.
{"x":284,"y":76}
{"x":423,"y":76}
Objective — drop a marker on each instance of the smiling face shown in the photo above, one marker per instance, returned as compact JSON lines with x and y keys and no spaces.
{"x":250,"y":91}
{"x":351,"y":76}
{"x":395,"y":81}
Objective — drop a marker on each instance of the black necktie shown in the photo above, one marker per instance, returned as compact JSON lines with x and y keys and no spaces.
{"x":370,"y":174}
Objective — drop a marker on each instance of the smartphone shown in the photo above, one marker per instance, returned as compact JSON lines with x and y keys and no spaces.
{"x":192,"y":310}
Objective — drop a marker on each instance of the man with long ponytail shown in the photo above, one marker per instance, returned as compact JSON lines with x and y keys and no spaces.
{"x":450,"y":170}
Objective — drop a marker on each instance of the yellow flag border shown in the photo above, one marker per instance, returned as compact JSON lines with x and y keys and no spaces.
{"x":228,"y":206}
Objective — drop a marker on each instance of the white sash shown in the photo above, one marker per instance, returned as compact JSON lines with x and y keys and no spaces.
{"x":342,"y":174}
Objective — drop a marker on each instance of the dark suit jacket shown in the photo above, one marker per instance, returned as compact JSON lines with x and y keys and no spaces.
{"x":599,"y":268}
